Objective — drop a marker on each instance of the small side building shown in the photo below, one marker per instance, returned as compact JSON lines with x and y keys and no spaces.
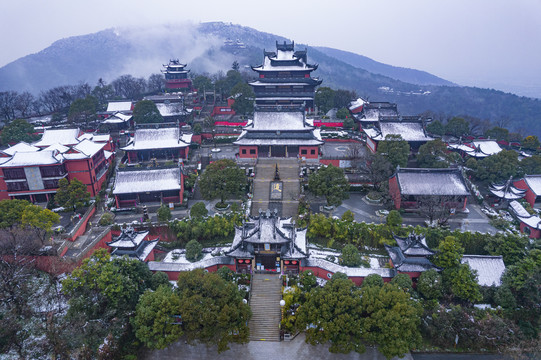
{"x":532,"y":185}
{"x":411,"y":129}
{"x":163,"y":143}
{"x":159,"y":185}
{"x":411,"y":255}
{"x":407,"y":186}
{"x":134,"y":244}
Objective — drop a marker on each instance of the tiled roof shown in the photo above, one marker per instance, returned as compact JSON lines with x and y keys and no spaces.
{"x":489,"y":268}
{"x":162,"y":138}
{"x":534,"y":183}
{"x":58,"y":136}
{"x":134,"y":181}
{"x":431,"y":182}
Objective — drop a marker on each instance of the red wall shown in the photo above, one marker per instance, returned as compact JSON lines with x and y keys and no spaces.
{"x":534,"y":233}
{"x":319,"y":123}
{"x":82,"y":229}
{"x":333,"y":162}
{"x":248,"y":155}
{"x":3,"y":187}
{"x":308,"y":149}
{"x":394,"y":191}
{"x":530,"y":195}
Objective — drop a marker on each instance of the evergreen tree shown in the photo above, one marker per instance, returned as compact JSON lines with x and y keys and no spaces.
{"x":395,"y":150}
{"x":222,"y":179}
{"x":16,"y":131}
{"x":145,"y":111}
{"x":329,"y":181}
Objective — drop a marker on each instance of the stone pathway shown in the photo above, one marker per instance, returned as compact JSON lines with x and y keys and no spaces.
{"x":289,"y":175}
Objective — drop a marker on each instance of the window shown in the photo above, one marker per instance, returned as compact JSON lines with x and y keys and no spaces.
{"x":16,"y":173}
{"x":17,"y":186}
{"x":312,"y":152}
{"x":304,"y":152}
{"x":252,"y":151}
{"x":244,"y":151}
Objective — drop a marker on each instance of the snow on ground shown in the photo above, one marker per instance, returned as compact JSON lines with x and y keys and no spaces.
{"x":178,"y":256}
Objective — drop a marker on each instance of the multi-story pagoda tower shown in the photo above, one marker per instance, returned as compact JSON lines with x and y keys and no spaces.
{"x":285,"y":78}
{"x":176,"y":77}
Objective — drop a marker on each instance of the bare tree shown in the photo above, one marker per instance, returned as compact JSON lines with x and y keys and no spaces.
{"x":8,"y":101}
{"x":438,"y":208}
{"x":378,"y":168}
{"x":57,"y":99}
{"x":155,"y":83}
{"x":355,"y":153}
{"x":128,"y":87}
{"x":24,"y":104}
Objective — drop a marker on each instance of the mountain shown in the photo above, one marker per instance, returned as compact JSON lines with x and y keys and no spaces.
{"x":141,"y":51}
{"x":399,"y":73}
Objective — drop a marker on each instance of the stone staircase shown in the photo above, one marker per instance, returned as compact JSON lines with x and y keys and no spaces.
{"x":265,"y":303}
{"x":289,"y":175}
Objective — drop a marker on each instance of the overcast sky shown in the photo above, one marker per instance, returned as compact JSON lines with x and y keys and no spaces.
{"x":471,"y":42}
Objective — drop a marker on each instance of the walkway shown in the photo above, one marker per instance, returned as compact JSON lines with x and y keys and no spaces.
{"x":289,"y":175}
{"x":296,"y":349}
{"x":265,"y":303}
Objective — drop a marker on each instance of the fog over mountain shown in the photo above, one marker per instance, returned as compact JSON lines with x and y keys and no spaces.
{"x":141,"y":51}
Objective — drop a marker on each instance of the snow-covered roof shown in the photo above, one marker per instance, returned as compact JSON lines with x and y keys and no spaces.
{"x":410,"y":131}
{"x":162,"y":138}
{"x":478,"y":148}
{"x":60,"y":148}
{"x":87,"y":147}
{"x":58,"y":136}
{"x":489,"y":268}
{"x":117,"y":118}
{"x":119,"y":106}
{"x":292,"y":142}
{"x":292,"y":97}
{"x":534,"y":183}
{"x":129,"y":238}
{"x":278,"y":121}
{"x":35,"y":158}
{"x":129,"y":182}
{"x":489,"y":147}
{"x":107,"y":154}
{"x":20,"y":147}
{"x":95,"y":137}
{"x":524,"y":216}
{"x":268,"y":228}
{"x":356,"y":104}
{"x":413,"y":245}
{"x":264,"y":83}
{"x":507,"y":190}
{"x":431,"y":182}
{"x":170,"y":109}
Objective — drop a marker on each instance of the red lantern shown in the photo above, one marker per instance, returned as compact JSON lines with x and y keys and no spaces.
{"x":294,"y":262}
{"x":240,"y":261}
{"x":286,"y":262}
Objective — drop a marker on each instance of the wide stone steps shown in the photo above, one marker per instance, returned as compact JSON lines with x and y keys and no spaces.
{"x":265,"y":303}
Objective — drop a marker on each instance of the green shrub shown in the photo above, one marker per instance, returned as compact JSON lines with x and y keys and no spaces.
{"x":198,"y":210}
{"x":193,"y":250}
{"x":106,"y":219}
{"x":351,"y":256}
{"x":372,"y":280}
